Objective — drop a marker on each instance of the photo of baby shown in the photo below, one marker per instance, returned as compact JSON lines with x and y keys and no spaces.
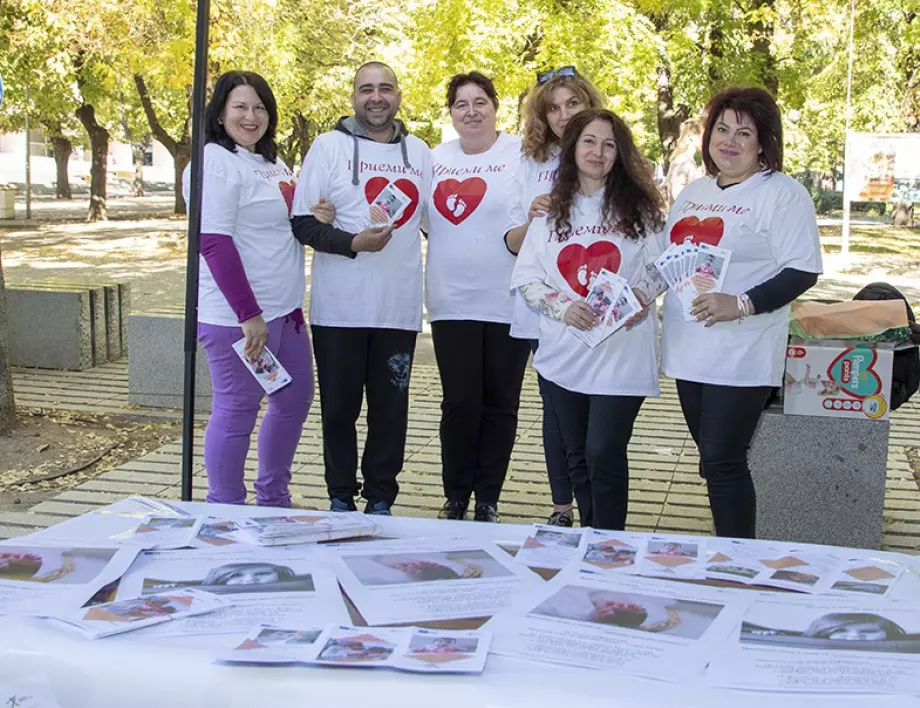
{"x":848,"y":631}
{"x":139,"y":608}
{"x":600,"y":297}
{"x":673,"y":549}
{"x":706,"y":271}
{"x":389,"y":205}
{"x":238,"y":578}
{"x":398,"y":568}
{"x":545,"y":537}
{"x":44,"y":564}
{"x":644,"y":613}
{"x":610,"y":554}
{"x":359,"y":648}
{"x":441,"y":650}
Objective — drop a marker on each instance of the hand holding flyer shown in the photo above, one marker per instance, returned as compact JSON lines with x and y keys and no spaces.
{"x":692,"y":270}
{"x":389,"y":205}
{"x":266,"y":368}
{"x":613,"y":302}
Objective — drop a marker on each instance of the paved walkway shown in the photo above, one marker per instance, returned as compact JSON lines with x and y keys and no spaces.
{"x":666,"y":494}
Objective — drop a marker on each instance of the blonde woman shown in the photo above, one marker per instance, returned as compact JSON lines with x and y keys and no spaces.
{"x":557,"y":97}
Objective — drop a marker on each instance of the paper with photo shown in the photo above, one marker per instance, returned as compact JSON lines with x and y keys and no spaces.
{"x":799,"y":569}
{"x":216,"y":533}
{"x":738,"y":560}
{"x":406,"y":649}
{"x":613,"y":301}
{"x":271,"y":586}
{"x":821,"y":644}
{"x":266,"y":369}
{"x":163,"y":532}
{"x":654,"y":628}
{"x":274,"y":644}
{"x":863,"y":576}
{"x":551,"y":546}
{"x":708,"y":265}
{"x":41,"y":580}
{"x":421,"y":580}
{"x":651,"y":282}
{"x":673,"y":556}
{"x":304,"y":527}
{"x":130,"y":614}
{"x":606,"y":551}
{"x":31,"y":692}
{"x":389,"y":205}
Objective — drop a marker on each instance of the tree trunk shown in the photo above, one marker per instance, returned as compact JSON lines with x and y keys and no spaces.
{"x":62,"y":152}
{"x":7,"y":403}
{"x":296,"y":145}
{"x":762,"y":32}
{"x":669,"y":118}
{"x":180,"y":149}
{"x":137,"y":152}
{"x":99,"y":148}
{"x":716,"y":37}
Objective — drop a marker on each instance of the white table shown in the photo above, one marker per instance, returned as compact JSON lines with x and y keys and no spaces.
{"x":125,"y":672}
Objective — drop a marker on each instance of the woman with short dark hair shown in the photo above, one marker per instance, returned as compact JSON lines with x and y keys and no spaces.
{"x":251,"y":289}
{"x":469,"y":301}
{"x":729,"y":356}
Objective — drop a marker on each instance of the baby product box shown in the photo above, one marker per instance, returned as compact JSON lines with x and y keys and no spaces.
{"x":834,"y":378}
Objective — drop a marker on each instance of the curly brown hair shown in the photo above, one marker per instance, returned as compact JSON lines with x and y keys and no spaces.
{"x":632,"y":203}
{"x":539,"y":139}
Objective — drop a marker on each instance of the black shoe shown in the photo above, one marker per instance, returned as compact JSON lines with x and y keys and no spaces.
{"x":380,"y":508}
{"x":342,"y":504}
{"x":487,"y":512}
{"x":561,"y":518}
{"x":453,"y":509}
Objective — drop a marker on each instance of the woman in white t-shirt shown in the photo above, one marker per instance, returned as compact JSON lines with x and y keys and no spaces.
{"x":728,"y":358}
{"x":558,"y":95}
{"x":251,"y":287}
{"x":606,"y":213}
{"x":469,"y":303}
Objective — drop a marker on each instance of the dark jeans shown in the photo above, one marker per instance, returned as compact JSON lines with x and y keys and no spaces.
{"x":481,"y":369}
{"x":350,"y":361}
{"x":722,"y":421}
{"x":596,"y":431}
{"x":557,"y":466}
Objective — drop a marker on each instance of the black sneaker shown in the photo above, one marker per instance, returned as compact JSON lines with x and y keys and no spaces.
{"x":486,"y":512}
{"x":342,"y":505}
{"x":561,"y":518}
{"x":453,"y":509}
{"x":380,"y":508}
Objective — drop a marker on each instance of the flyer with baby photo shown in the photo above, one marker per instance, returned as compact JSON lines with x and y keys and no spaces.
{"x":551,"y":547}
{"x":266,"y":368}
{"x":613,"y":302}
{"x":389,"y":205}
{"x":691,"y":270}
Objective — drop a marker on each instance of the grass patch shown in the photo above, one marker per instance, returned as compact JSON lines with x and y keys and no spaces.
{"x":876,"y":240}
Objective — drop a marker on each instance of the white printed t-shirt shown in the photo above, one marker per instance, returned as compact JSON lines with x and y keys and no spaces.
{"x":469,"y":267}
{"x":247,"y":198}
{"x":532,"y":180}
{"x":768,"y":223}
{"x":624,"y":364}
{"x":382,"y":289}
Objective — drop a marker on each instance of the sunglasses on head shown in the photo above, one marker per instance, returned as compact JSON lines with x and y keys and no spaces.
{"x":544,"y":76}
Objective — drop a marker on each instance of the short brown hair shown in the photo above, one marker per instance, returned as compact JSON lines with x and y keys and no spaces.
{"x":761,"y":108}
{"x":474,"y":77}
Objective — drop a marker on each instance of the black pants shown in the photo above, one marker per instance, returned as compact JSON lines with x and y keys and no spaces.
{"x":350,"y":360}
{"x":596,"y":431}
{"x":722,"y":421}
{"x":557,"y":466}
{"x":482,"y":369}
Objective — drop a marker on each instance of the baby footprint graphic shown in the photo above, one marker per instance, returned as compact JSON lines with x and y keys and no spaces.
{"x":456,"y":205}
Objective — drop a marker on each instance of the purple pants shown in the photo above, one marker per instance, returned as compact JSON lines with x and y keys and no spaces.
{"x":236,"y":399}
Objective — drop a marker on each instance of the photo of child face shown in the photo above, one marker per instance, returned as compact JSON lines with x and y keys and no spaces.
{"x":856,"y":631}
{"x":859,"y":631}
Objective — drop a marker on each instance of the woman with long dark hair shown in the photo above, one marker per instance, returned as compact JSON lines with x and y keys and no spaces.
{"x":251,"y":288}
{"x":729,"y":358}
{"x":605,"y":213}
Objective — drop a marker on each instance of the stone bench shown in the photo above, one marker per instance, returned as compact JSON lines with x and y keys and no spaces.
{"x":156,"y":361}
{"x":67,"y":325}
{"x":820,"y":480}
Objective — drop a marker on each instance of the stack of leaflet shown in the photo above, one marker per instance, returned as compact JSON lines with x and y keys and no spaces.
{"x":692,"y":270}
{"x":303,"y":528}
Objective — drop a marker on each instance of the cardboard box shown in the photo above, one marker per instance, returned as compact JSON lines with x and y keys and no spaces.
{"x":838,"y":379}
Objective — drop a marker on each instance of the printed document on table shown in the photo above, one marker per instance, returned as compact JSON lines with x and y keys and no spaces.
{"x":660,"y":629}
{"x":822,"y":644}
{"x":31,"y":692}
{"x":271,"y":586}
{"x":40,"y":580}
{"x":421,"y":580}
{"x":551,"y":546}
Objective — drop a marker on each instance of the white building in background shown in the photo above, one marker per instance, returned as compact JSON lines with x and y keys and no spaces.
{"x":158,"y":163}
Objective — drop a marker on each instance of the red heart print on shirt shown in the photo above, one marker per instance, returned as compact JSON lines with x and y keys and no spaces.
{"x":457,"y":200}
{"x":375,"y":185}
{"x":708,"y":230}
{"x":578,"y":265}
{"x":287,"y":191}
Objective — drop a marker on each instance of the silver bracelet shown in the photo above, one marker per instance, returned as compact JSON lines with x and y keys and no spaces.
{"x":744,"y":305}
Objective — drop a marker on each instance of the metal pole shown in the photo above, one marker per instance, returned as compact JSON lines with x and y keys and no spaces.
{"x":194,"y":238}
{"x":28,"y":158}
{"x":845,"y":233}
